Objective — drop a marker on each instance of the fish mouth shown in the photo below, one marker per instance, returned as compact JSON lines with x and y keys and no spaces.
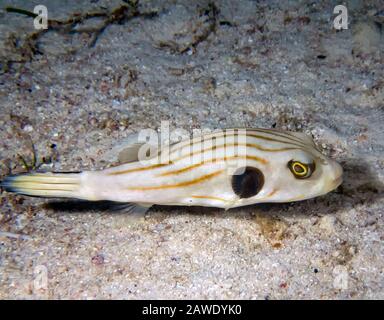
{"x":336,"y":175}
{"x":336,"y":182}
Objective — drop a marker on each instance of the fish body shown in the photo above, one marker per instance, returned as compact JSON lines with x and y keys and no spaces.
{"x":225,"y":169}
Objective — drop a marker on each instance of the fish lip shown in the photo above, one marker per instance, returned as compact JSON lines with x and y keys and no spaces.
{"x":336,"y":175}
{"x":336,"y":182}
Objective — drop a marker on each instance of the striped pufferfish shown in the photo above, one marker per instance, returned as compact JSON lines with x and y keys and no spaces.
{"x":225,"y":169}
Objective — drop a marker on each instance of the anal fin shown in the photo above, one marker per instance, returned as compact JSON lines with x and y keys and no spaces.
{"x":130,"y":213}
{"x":131,"y":208}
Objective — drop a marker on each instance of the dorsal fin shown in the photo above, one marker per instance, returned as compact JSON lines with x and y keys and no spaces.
{"x":129,"y":149}
{"x":129,"y":153}
{"x":125,"y":151}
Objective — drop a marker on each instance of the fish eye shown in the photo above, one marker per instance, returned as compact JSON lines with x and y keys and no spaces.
{"x":247,"y":182}
{"x":301,"y":170}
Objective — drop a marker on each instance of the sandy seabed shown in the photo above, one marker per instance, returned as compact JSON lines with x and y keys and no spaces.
{"x":77,"y":91}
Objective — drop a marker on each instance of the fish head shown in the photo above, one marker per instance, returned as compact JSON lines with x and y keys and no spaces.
{"x":293,"y":175}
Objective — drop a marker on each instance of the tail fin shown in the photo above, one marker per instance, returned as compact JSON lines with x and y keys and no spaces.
{"x":63,"y":185}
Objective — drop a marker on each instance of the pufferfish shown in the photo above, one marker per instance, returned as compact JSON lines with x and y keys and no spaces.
{"x":225,"y":169}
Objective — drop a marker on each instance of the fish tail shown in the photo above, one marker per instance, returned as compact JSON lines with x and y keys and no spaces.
{"x":62,"y":185}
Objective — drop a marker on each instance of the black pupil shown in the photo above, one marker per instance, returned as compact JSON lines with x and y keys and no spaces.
{"x":299,"y":169}
{"x":248,"y":182}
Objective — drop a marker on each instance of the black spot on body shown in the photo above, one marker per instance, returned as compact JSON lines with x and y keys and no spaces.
{"x":247,"y":182}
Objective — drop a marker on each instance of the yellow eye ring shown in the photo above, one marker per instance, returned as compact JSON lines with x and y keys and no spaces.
{"x":301,"y":170}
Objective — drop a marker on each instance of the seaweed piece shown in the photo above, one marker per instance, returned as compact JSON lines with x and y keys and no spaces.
{"x":34,"y":164}
{"x":211,"y":12}
{"x":26,"y":50}
{"x":21,"y":11}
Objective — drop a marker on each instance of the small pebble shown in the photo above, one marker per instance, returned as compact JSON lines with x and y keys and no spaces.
{"x":98,"y":259}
